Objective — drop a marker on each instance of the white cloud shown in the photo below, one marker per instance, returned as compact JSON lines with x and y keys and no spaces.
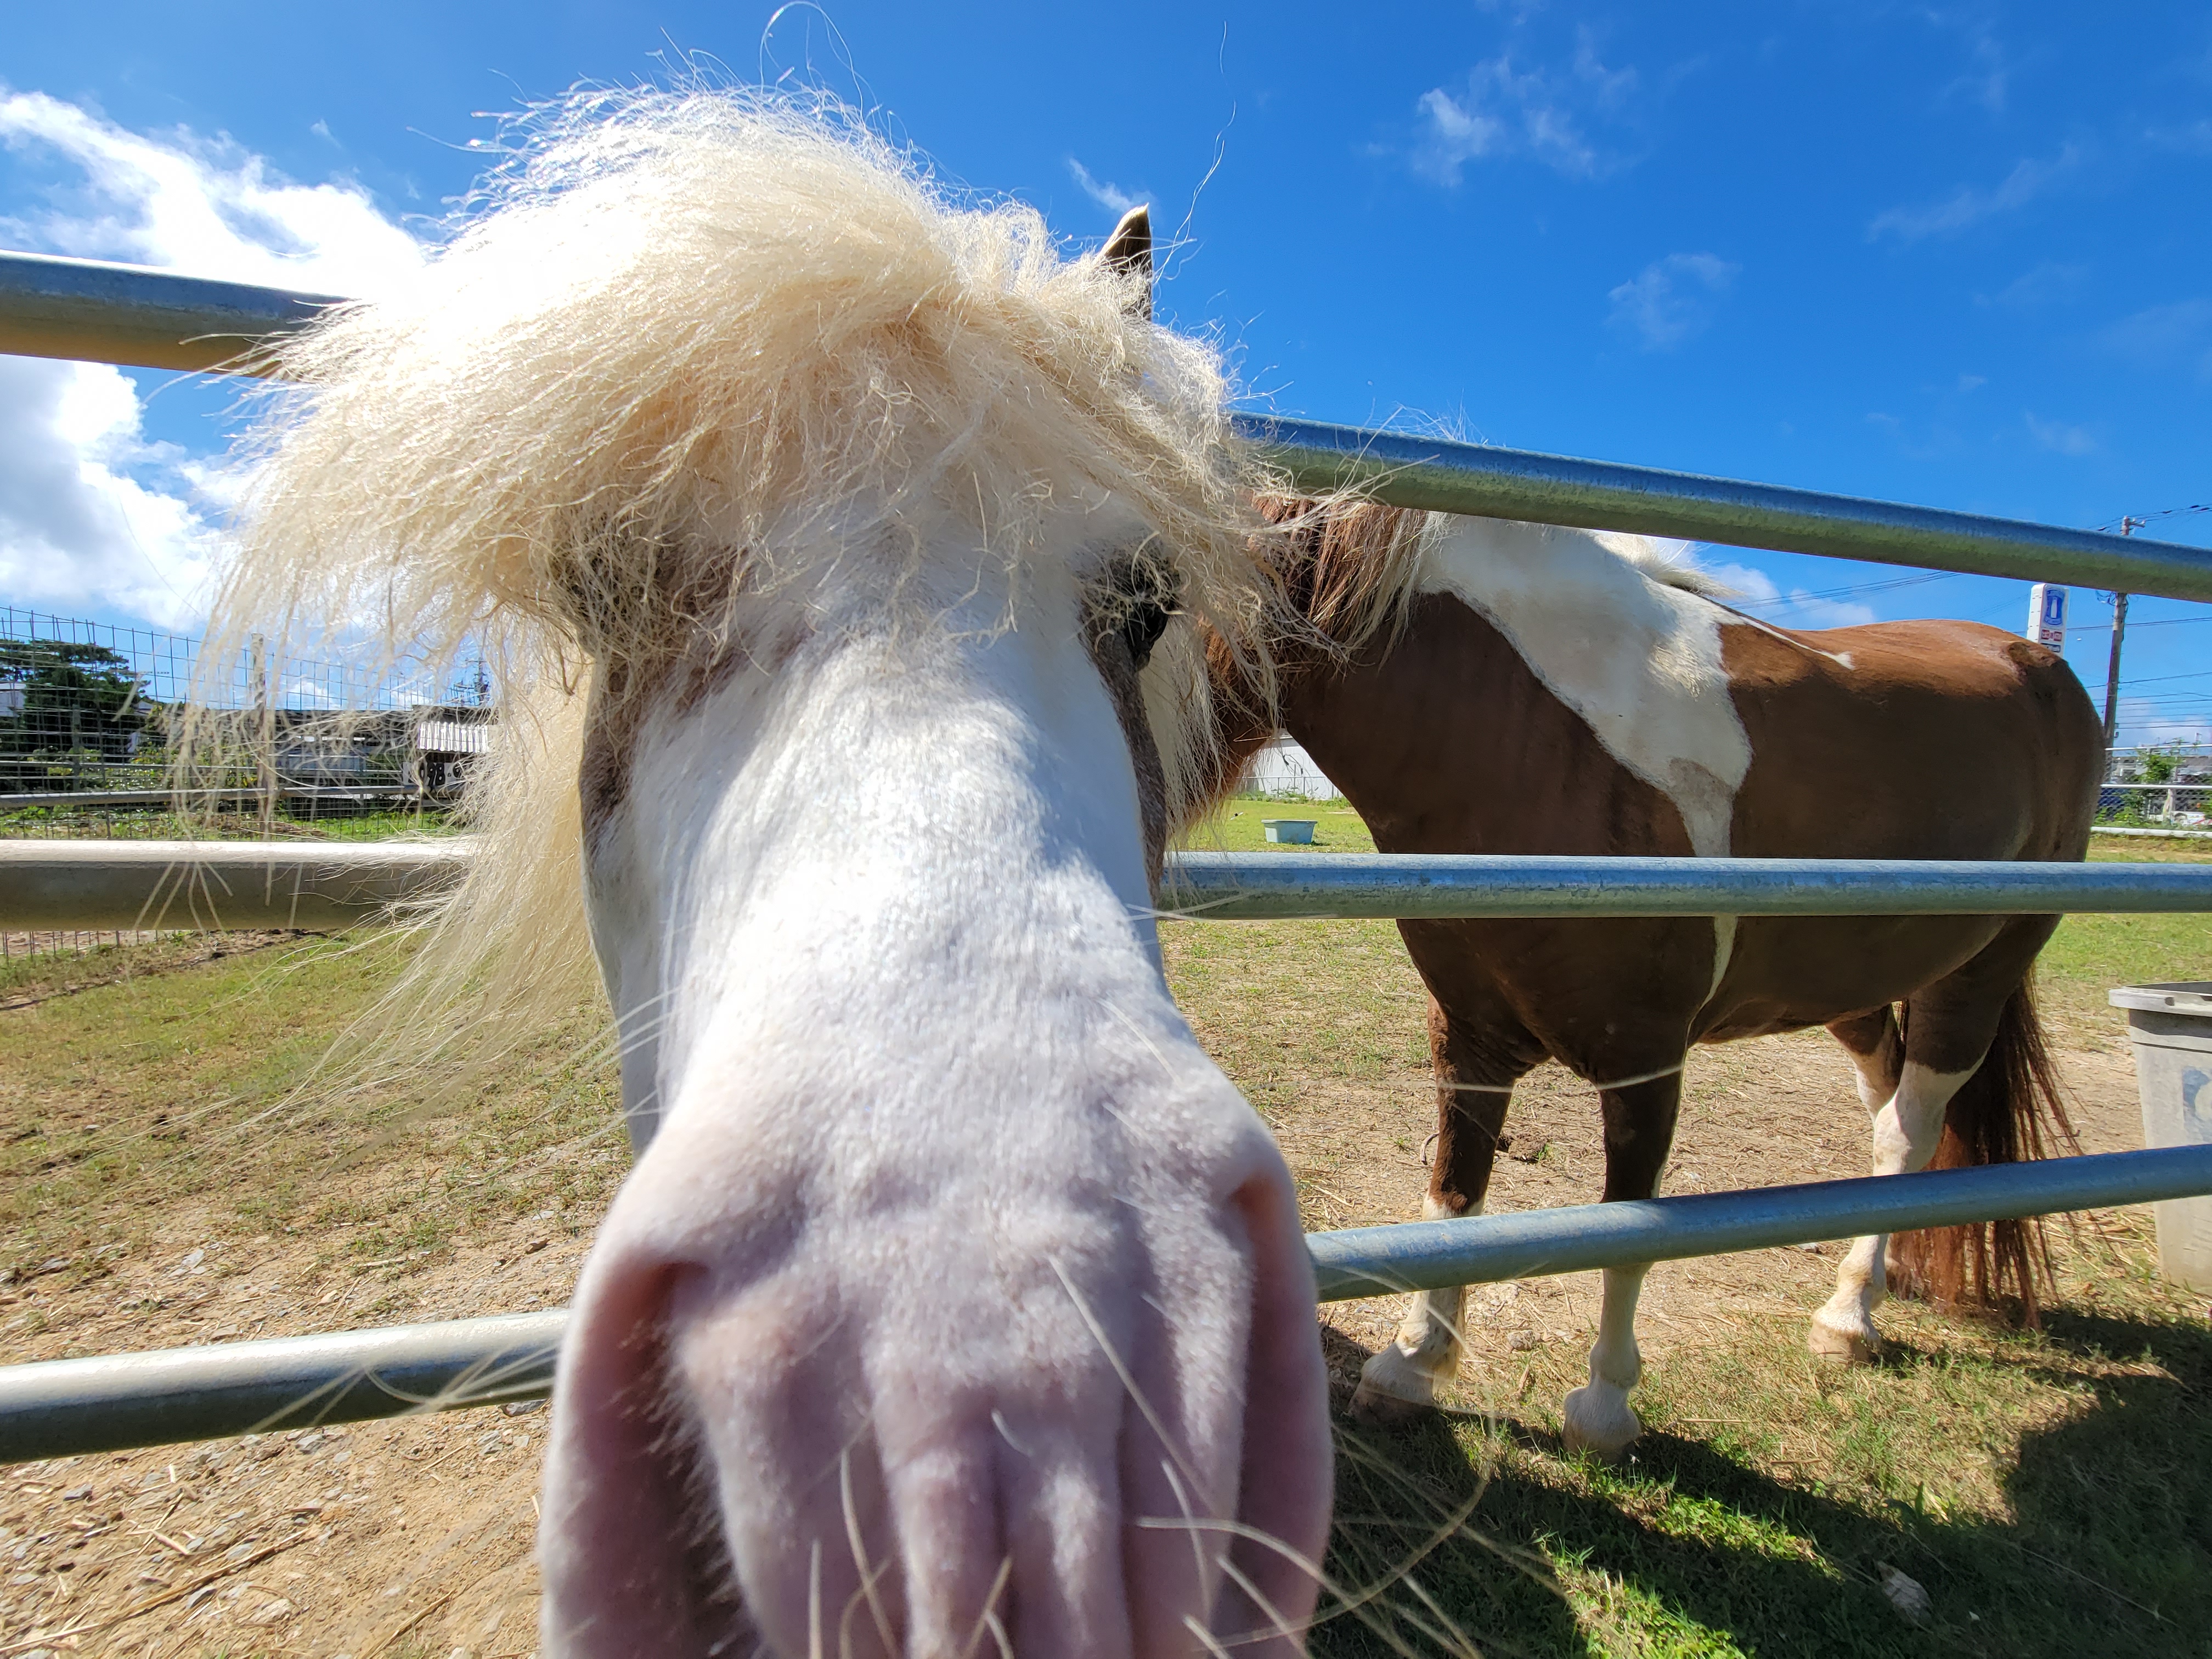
{"x":2048,"y":284}
{"x":2057,"y":436}
{"x":1111,"y":197}
{"x":1671,"y":299}
{"x":1967,"y":206}
{"x":1500,"y":112}
{"x":2165,"y":337}
{"x":1990,"y":80}
{"x":2139,"y":722}
{"x":208,"y":206}
{"x":1760,"y":596}
{"x":2193,"y":139}
{"x":94,"y":518}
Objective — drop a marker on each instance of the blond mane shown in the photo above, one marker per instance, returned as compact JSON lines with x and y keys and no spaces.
{"x":691,"y":346}
{"x":1349,"y":565}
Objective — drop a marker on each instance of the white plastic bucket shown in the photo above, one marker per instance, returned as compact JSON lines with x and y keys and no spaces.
{"x":2172,"y":1028}
{"x":1296,"y":832}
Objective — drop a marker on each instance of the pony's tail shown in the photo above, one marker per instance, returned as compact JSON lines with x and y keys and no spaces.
{"x":2011,"y":1109}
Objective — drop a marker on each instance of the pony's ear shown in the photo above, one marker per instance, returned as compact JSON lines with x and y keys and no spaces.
{"x":1128,"y":251}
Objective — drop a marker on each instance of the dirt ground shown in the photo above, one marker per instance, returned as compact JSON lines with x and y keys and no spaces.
{"x":414,"y":1537}
{"x":1768,"y":1112}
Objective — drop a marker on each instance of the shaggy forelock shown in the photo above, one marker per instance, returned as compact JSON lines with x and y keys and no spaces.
{"x":703,"y":343}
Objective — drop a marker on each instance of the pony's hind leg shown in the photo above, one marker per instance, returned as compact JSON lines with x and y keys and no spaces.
{"x":1906,"y":1097}
{"x":1639,"y":1128}
{"x":1475,"y":1086}
{"x":1876,"y":1048}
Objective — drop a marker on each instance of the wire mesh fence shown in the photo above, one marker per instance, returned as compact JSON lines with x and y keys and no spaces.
{"x":21,"y":946}
{"x":89,"y":707}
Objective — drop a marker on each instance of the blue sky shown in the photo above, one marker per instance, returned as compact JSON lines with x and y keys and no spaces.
{"x":1953,"y":257}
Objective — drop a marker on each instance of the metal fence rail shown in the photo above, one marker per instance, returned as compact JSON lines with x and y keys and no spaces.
{"x":184,"y":884}
{"x":1445,"y":476}
{"x":128,"y":314}
{"x":99,"y":312}
{"x":63,"y":1408}
{"x":95,"y":883}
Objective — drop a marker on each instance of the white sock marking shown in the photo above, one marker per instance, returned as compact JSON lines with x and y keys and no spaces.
{"x":1426,"y":1350}
{"x":1906,"y":1128}
{"x":1597,"y":1415}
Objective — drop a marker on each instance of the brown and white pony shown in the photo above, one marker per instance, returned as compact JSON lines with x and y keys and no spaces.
{"x":957,"y":1302}
{"x":1512,"y":688}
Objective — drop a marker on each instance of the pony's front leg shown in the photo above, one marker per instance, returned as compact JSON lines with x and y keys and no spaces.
{"x":1474,"y":1089}
{"x":1639,"y":1128}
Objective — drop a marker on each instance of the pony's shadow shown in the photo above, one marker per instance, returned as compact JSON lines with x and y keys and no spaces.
{"x":2108,"y":1546}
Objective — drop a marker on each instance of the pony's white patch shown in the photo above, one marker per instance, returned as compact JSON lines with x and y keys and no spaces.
{"x":1637,"y":657}
{"x":1597,"y":1416}
{"x":1426,"y":1350}
{"x":1907,"y":1128}
{"x":1723,"y":948}
{"x":1868,"y":1078}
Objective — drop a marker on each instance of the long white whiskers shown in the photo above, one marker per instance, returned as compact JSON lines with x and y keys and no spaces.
{"x":858,"y":1546}
{"x":1128,"y":1381}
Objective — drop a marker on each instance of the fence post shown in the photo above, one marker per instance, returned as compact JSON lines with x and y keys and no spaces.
{"x":264,"y":738}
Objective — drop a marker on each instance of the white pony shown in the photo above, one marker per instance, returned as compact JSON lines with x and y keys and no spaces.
{"x":821,"y":526}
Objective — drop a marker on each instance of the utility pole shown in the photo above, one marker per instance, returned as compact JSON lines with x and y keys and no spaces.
{"x":2128,"y":527}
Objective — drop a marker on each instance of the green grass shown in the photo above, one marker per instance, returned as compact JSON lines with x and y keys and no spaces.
{"x":1238,"y":827}
{"x":196,"y":1089}
{"x":2050,"y":1490}
{"x":136,"y":823}
{"x":2091,"y":953}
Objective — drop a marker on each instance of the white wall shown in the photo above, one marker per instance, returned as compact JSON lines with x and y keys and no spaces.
{"x":1284,"y":769}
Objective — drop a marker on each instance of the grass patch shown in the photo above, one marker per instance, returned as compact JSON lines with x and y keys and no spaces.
{"x":195,"y":1090}
{"x":1236,"y":827}
{"x":143,"y":824}
{"x":2049,"y":1489}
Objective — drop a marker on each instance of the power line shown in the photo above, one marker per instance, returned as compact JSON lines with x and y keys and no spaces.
{"x":2161,"y":622}
{"x":1857,"y":588}
{"x":2163,"y":513}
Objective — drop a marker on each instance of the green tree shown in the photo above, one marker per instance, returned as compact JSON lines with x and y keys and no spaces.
{"x":67,"y":703}
{"x":2159,"y":765}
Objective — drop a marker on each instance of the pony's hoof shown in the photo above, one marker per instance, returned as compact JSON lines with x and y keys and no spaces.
{"x":1374,"y":1409}
{"x":1599,"y":1421}
{"x":1393,"y":1390}
{"x":1841,"y":1344}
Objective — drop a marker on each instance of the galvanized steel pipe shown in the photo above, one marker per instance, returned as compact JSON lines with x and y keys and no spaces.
{"x":1419,"y":1255}
{"x":83,"y":308}
{"x":49,"y":885}
{"x":64,"y":1407}
{"x":1445,"y":476}
{"x":185,"y":883}
{"x":68,"y":1407}
{"x":108,"y":313}
{"x":1247,"y":887}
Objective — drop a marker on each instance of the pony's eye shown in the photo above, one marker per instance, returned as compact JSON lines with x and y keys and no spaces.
{"x":1142,"y":628}
{"x":1148,"y":595}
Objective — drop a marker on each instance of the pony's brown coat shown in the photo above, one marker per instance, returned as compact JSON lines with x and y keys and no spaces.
{"x":1924,"y":739}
